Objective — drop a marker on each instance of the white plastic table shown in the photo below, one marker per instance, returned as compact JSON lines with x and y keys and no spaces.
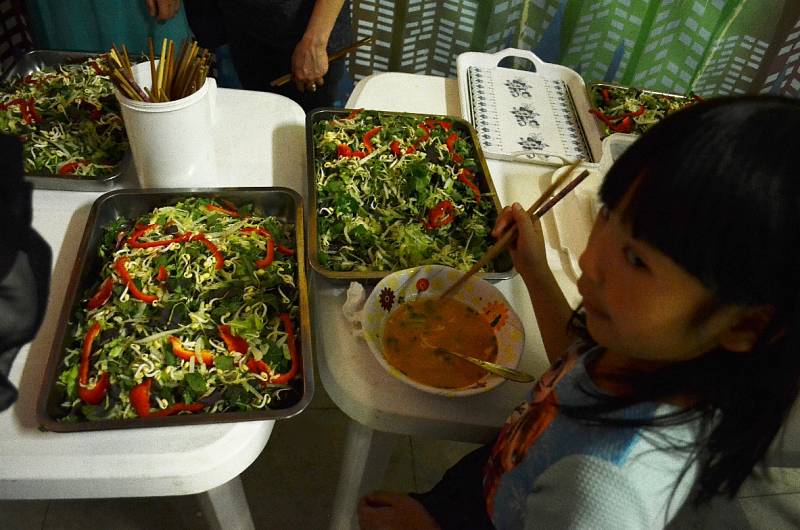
{"x":381,"y":407}
{"x":260,"y":141}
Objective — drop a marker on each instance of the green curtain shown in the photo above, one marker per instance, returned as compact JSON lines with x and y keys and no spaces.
{"x":710,"y":47}
{"x":94,"y":25}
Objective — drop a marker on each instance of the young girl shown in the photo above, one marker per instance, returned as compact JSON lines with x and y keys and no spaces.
{"x":683,"y":360}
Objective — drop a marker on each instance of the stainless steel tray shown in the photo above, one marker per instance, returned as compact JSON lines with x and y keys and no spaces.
{"x":484,"y":182}
{"x":283,"y":203}
{"x":596,"y":88}
{"x":34,"y":61}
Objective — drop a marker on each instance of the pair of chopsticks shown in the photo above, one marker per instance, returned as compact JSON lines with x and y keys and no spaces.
{"x":338,"y":54}
{"x":175,"y":77}
{"x":546,"y":201}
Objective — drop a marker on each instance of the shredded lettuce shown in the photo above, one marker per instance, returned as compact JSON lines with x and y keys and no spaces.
{"x":192,"y":302}
{"x":373,"y":212}
{"x":77,"y":128}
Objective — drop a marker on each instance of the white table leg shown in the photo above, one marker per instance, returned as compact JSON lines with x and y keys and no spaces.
{"x":225,"y":507}
{"x":366,"y":456}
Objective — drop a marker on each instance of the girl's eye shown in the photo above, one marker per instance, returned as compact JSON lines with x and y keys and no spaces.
{"x":634,"y":258}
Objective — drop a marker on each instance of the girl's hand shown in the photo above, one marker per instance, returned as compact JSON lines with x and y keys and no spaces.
{"x":388,"y":510}
{"x":309,"y":65}
{"x":527,"y":248}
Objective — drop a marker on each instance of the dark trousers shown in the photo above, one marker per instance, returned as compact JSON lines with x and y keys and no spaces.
{"x":456,"y":502}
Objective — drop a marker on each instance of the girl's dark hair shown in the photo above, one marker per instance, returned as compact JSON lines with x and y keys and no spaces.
{"x":716,"y":187}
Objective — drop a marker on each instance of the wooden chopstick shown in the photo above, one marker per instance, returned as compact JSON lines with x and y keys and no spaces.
{"x":338,"y":54}
{"x":179,"y":72}
{"x":546,"y":201}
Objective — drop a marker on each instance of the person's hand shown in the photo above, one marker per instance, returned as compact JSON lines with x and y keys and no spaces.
{"x":309,"y":65}
{"x":527,"y":248}
{"x":162,"y":10}
{"x":388,"y":510}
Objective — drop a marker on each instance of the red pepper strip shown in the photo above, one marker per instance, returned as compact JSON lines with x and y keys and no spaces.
{"x":410,"y":149}
{"x":464,"y":176}
{"x":102,"y":295}
{"x":625,"y":126}
{"x":70,"y":167}
{"x":606,"y":95}
{"x":290,"y":340}
{"x":451,"y":141}
{"x":267,"y":260}
{"x":354,"y":113}
{"x":119,"y":266}
{"x":181,"y":352}
{"x":220,"y":209}
{"x":96,"y":68}
{"x":229,"y":205}
{"x":359,"y":154}
{"x":23,"y":108}
{"x":133,"y":240}
{"x":97,"y":393}
{"x":32,"y":110}
{"x":95,"y":114}
{"x":395,"y":148}
{"x":93,"y":395}
{"x":344,"y":150}
{"x":180,"y":407}
{"x":140,"y":398}
{"x":440,"y":215}
{"x":457,"y":158}
{"x":257,"y":367}
{"x":163,"y":274}
{"x":368,"y":137}
{"x":233,"y":342}
{"x":220,"y":261}
{"x":427,"y":132}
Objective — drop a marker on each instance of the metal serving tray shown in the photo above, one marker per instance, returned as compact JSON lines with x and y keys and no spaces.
{"x":34,"y":61}
{"x":283,"y":203}
{"x":485,"y":184}
{"x":638,"y":91}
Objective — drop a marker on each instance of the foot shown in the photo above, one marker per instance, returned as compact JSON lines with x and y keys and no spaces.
{"x":389,"y":510}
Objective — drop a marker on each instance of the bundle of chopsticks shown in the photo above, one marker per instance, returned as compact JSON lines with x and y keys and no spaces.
{"x":173,"y":78}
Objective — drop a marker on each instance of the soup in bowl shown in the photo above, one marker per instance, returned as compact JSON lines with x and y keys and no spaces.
{"x":408,"y":328}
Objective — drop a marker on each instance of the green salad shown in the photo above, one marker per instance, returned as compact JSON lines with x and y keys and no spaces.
{"x":67,"y":118}
{"x":195,"y":309}
{"x":396,"y":191}
{"x":633,"y":110}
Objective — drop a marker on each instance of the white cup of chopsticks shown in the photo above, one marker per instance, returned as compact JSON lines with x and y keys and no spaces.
{"x":172,"y":142}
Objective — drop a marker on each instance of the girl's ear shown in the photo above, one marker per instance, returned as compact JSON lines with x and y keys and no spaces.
{"x":747,"y":329}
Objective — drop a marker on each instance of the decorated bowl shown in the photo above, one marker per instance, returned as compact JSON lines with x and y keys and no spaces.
{"x":430,"y":281}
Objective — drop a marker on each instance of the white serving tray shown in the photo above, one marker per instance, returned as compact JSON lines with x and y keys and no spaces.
{"x":539,"y":116}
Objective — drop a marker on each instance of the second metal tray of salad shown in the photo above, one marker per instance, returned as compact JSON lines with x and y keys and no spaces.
{"x":184,"y":306}
{"x":390,"y":190}
{"x":72,"y":132}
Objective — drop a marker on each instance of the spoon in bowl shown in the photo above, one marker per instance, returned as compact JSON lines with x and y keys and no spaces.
{"x":502,"y":371}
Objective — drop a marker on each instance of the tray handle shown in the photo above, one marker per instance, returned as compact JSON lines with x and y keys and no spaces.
{"x":538,"y":64}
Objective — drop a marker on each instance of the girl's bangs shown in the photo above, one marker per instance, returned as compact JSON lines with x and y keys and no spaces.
{"x":704,"y":190}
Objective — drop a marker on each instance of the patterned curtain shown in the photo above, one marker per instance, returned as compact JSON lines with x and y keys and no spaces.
{"x":710,"y":47}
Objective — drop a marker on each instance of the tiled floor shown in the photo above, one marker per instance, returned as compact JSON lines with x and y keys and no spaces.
{"x":291,"y":486}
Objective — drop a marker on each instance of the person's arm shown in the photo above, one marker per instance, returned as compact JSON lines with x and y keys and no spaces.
{"x":310,"y":57}
{"x":549,"y":304}
{"x":163,"y":10}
